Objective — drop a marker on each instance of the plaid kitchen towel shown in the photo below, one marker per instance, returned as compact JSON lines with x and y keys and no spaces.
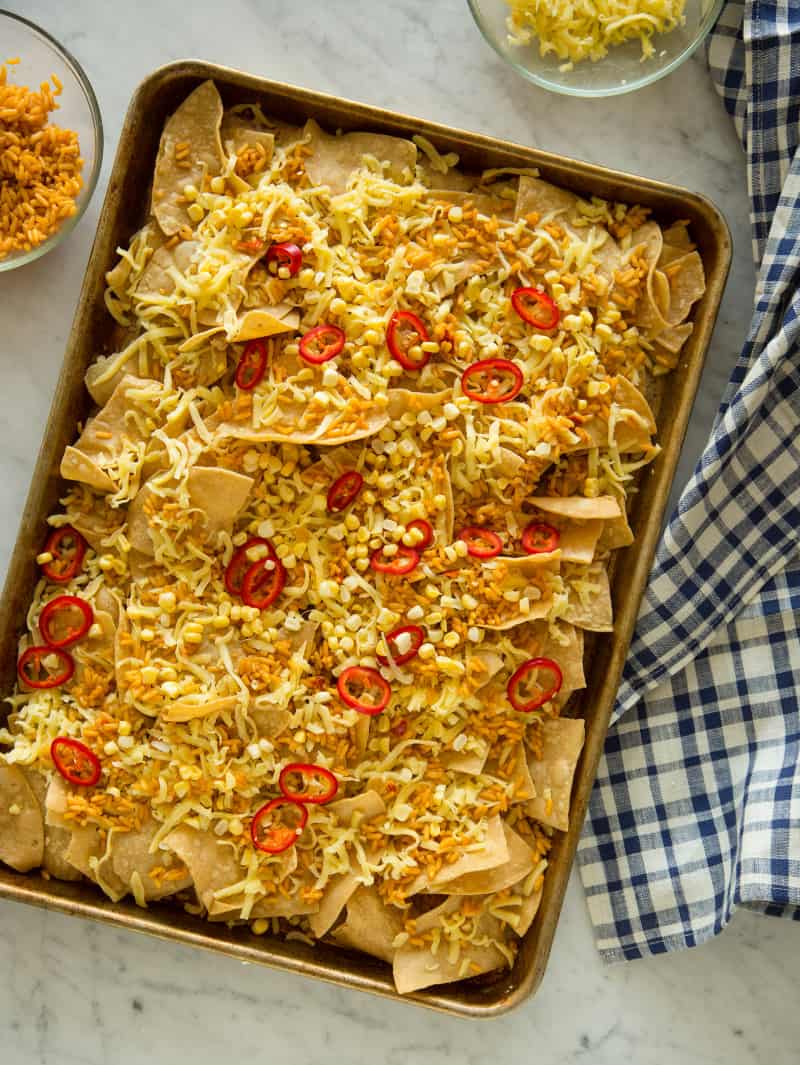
{"x":696,"y":809}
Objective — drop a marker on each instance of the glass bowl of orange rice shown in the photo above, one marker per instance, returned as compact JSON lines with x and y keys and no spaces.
{"x":51,"y":142}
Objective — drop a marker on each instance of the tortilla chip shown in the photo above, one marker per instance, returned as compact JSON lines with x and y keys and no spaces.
{"x":687,"y":283}
{"x":562,"y":742}
{"x":87,"y":852}
{"x":521,"y":861}
{"x":370,"y":925}
{"x":129,"y":853}
{"x":195,"y":123}
{"x":190,"y":708}
{"x":597,"y":614}
{"x":212,"y":864}
{"x":75,"y":466}
{"x":471,"y":761}
{"x":492,"y":853}
{"x":264,"y":322}
{"x":237,"y":134}
{"x":579,"y":508}
{"x":279,"y":906}
{"x":365,"y":806}
{"x":415,"y":968}
{"x":21,"y":822}
{"x":616,"y":533}
{"x":402,"y":401}
{"x":528,"y":910}
{"x":156,"y":279}
{"x":546,"y":200}
{"x":98,"y":523}
{"x":138,"y":524}
{"x":219,"y":494}
{"x":110,"y":433}
{"x":333,"y":160}
{"x":335,"y":898}
{"x":56,"y":839}
{"x":483,"y":203}
{"x":270,"y":722}
{"x":674,"y":338}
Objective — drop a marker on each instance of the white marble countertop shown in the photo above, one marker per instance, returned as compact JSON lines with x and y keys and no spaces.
{"x":77,"y":992}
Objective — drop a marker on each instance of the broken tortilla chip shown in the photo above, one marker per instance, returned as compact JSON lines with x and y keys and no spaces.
{"x":21,"y":822}
{"x":189,"y":150}
{"x":334,"y":159}
{"x":264,"y":322}
{"x":552,"y":773}
{"x":212,"y":864}
{"x":591,"y":609}
{"x":370,"y":925}
{"x":521,"y":861}
{"x":159,"y":874}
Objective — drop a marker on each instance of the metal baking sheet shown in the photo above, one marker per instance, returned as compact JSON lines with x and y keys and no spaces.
{"x":124,"y":210}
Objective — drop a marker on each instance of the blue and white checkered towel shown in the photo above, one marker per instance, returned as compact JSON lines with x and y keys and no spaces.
{"x":696,"y":809}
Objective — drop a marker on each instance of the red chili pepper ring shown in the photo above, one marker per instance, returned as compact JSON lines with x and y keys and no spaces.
{"x":404,"y":333}
{"x":271,"y":835}
{"x":304,"y":782}
{"x":535,"y":307}
{"x":75,"y":762}
{"x":67,"y":547}
{"x":539,"y":538}
{"x":242,"y":560}
{"x":364,"y":689}
{"x":481,"y":543}
{"x":252,"y":366}
{"x":344,"y":490}
{"x":284,"y":256}
{"x":65,"y":620}
{"x":394,"y":640}
{"x":45,"y":667}
{"x":492,"y":381}
{"x":321,"y":344}
{"x":538,"y":695}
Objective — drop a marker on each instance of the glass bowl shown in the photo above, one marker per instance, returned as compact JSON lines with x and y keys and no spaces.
{"x":622,"y":70}
{"x":39,"y":57}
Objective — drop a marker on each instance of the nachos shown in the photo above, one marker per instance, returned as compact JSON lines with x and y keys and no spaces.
{"x":311,"y":614}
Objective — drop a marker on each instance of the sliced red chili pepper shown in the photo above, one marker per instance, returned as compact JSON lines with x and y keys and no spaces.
{"x":364,"y":689}
{"x":75,"y":762}
{"x":252,"y":365}
{"x":535,"y":307}
{"x":406,"y":559}
{"x":59,"y":624}
{"x":426,"y":529}
{"x":539,"y":538}
{"x":285,"y":255}
{"x":481,"y":543}
{"x":344,"y":490}
{"x":263,"y":583}
{"x":539,"y":695}
{"x":36,"y":673}
{"x":417,"y":635}
{"x":67,"y":547}
{"x":492,"y":381}
{"x":404,"y":333}
{"x":302,"y":781}
{"x":241,"y":562}
{"x":271,"y":835}
{"x":322,"y":343}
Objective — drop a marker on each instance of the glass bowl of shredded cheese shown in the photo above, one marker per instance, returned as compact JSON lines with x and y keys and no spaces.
{"x":595,"y":47}
{"x":51,"y":142}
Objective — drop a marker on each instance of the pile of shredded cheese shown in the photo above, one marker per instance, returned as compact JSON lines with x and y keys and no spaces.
{"x":575,"y":30}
